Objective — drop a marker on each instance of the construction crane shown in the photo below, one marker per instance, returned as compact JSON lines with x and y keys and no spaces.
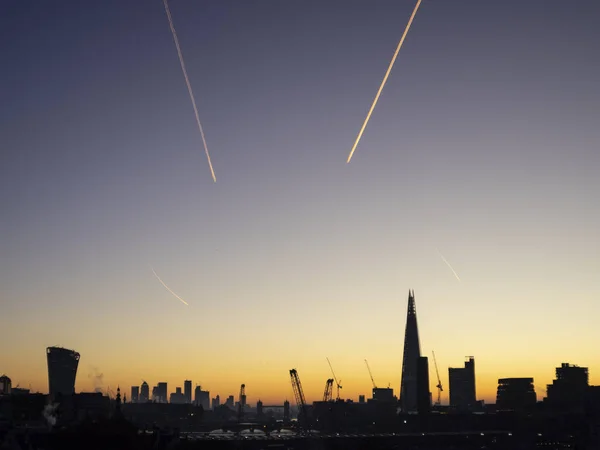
{"x":300,"y":400}
{"x":242,"y":402}
{"x":439,"y":385}
{"x":370,"y":374}
{"x":337,"y":383}
{"x":327,"y":395}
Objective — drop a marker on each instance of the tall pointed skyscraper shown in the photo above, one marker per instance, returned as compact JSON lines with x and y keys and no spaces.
{"x":412,"y":352}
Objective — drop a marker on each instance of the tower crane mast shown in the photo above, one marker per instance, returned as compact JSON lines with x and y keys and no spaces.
{"x":337,"y":383}
{"x":327,"y":394}
{"x":300,"y":400}
{"x":439,"y":385}
{"x":370,"y":374}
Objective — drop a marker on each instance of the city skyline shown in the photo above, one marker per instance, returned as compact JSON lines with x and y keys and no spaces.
{"x":411,"y":348}
{"x":483,"y":148}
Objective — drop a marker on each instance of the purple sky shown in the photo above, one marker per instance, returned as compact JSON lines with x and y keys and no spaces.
{"x":485,"y":144}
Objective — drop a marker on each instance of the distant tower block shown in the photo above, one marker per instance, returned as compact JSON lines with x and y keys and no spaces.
{"x":187,"y":390}
{"x":412,"y":353}
{"x":144,"y":393}
{"x":62,"y":370}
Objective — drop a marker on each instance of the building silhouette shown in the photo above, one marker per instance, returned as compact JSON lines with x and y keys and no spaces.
{"x":423,"y":393}
{"x":515,"y":394}
{"x":412,"y":352}
{"x":5,"y":385}
{"x":161,"y":395}
{"x":383,"y":394}
{"x":568,"y":391}
{"x":177,"y":397}
{"x":216,"y":402}
{"x":462,"y":386}
{"x":144,"y":393}
{"x":286,"y":411}
{"x":135,"y":394}
{"x":187,"y":391}
{"x":62,"y":370}
{"x":202,"y":398}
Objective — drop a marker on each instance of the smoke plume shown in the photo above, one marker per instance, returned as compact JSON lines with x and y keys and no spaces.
{"x":97,"y":379}
{"x":50,"y":414}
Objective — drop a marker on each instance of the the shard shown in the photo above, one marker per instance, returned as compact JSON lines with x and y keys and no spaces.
{"x":410,"y":360}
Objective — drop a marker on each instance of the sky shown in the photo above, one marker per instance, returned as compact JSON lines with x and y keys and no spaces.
{"x":484,"y":147}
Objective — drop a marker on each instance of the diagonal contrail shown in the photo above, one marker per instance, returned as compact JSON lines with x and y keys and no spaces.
{"x":387,"y":74}
{"x":189,"y":86}
{"x":448,"y":264}
{"x":168,"y":288}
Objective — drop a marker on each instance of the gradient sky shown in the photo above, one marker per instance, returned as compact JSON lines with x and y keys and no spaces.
{"x":485,"y":144}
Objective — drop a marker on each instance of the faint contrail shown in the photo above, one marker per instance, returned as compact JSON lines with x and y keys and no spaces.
{"x":168,"y":288}
{"x":189,"y":86}
{"x":448,"y":264}
{"x":387,"y":74}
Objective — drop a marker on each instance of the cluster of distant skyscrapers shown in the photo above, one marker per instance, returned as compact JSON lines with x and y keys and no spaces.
{"x":141,"y":394}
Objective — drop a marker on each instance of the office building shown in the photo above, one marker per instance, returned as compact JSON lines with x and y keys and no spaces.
{"x":383,"y":395}
{"x":5,"y":385}
{"x":230,"y":402}
{"x":361,"y":398}
{"x":135,"y":394}
{"x":19,"y":391}
{"x":286,"y":411}
{"x":161,"y":392}
{"x":462,"y":387}
{"x":592,"y":403}
{"x":144,"y":393}
{"x":423,"y":393}
{"x":216,"y":402}
{"x":177,"y":397}
{"x":187,"y":391}
{"x":515,"y":394}
{"x":412,"y":352}
{"x":197,"y":395}
{"x":202,"y":398}
{"x":567,"y":393}
{"x":62,"y":370}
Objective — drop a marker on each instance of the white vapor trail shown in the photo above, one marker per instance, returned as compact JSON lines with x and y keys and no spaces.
{"x":168,"y":288}
{"x":387,"y":74}
{"x":189,"y":86}
{"x":448,"y":264}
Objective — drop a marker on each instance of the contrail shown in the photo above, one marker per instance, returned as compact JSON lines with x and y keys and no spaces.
{"x":189,"y":86}
{"x":168,"y":288}
{"x":387,"y":74}
{"x":448,"y":264}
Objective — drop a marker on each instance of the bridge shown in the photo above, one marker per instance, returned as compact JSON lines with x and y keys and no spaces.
{"x":265,"y":427}
{"x":498,"y":439}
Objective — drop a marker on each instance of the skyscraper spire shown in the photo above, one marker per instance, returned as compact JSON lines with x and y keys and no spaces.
{"x":412,"y":352}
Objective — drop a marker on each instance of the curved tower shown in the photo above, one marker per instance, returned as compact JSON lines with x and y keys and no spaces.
{"x":62,"y":370}
{"x":410,"y":361}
